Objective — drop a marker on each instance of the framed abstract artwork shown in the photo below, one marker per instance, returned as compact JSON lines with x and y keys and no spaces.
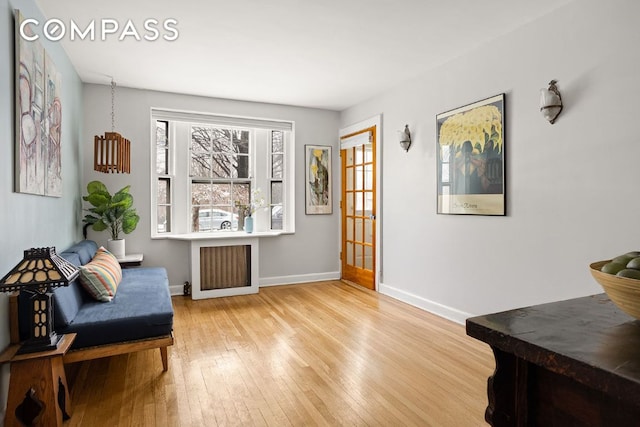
{"x":38,"y":149}
{"x":318,"y":179}
{"x":471,"y":159}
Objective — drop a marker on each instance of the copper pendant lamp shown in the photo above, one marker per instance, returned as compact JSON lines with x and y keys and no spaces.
{"x":112,"y":152}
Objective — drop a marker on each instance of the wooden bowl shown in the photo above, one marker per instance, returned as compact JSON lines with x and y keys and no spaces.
{"x":623,"y":291}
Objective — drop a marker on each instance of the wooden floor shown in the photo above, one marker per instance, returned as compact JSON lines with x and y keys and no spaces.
{"x":315,"y":354}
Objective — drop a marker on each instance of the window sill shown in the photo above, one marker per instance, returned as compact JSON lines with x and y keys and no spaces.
{"x":222,"y":235}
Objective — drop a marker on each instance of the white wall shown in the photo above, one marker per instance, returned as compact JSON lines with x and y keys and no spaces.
{"x":572,"y":195}
{"x":28,"y":221}
{"x":312,"y":252}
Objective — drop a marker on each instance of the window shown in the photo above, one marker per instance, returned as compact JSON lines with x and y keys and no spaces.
{"x":219,"y":163}
{"x":276,"y":175}
{"x":213,"y":164}
{"x":163,"y":180}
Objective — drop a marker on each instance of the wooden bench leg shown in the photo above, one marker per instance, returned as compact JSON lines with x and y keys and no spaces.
{"x":165,"y":361}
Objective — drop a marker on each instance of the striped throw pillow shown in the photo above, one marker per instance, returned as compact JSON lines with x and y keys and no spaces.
{"x":101,"y":276}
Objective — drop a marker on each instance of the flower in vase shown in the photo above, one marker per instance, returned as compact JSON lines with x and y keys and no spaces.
{"x":256,"y":202}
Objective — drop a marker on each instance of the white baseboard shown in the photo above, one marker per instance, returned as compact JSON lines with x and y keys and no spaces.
{"x":300,"y":278}
{"x":425,"y":304}
{"x":176,"y":290}
{"x":278,"y":280}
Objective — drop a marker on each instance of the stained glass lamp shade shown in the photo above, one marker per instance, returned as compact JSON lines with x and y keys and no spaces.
{"x":41,"y":270}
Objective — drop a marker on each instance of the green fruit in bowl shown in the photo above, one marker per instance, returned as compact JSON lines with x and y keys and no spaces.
{"x":634,"y":263}
{"x":634,"y":254}
{"x":612,"y":267}
{"x":629,"y":273}
{"x":622,"y":259}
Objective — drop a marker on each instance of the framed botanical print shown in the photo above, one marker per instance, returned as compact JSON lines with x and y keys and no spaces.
{"x":318,"y":198}
{"x":471,"y":159}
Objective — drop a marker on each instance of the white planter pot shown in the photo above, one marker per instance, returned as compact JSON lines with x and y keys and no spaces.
{"x":116,"y":247}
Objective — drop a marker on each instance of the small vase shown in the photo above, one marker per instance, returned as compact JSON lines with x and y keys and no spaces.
{"x":248,"y":224}
{"x":116,"y":247}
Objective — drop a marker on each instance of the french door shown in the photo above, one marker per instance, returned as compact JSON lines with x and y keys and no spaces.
{"x":358,"y":207}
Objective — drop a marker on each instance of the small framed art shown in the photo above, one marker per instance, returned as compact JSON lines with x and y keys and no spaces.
{"x":318,"y":179}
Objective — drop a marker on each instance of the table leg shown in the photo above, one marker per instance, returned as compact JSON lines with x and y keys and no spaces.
{"x":507,"y":391}
{"x":38,"y":393}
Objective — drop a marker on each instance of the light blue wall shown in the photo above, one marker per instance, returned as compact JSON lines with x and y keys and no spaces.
{"x":25,"y":220}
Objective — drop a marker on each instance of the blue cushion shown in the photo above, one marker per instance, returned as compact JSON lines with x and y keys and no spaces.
{"x":140,"y":309}
{"x":72,"y":257}
{"x":67,"y":300}
{"x":85,"y":249}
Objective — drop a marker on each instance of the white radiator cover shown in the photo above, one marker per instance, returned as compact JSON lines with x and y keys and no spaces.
{"x":196,"y":275}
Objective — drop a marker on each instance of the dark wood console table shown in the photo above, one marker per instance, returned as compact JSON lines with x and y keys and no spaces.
{"x":567,"y":363}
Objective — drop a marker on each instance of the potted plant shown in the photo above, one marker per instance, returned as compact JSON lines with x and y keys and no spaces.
{"x":114,"y":213}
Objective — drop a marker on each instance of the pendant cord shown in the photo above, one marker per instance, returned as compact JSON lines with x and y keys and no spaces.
{"x":113,"y":111}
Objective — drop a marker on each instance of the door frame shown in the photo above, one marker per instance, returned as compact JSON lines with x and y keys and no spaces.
{"x":348,"y":130}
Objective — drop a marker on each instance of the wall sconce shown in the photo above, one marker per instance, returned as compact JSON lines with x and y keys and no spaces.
{"x":550,"y":102}
{"x":404,"y":138}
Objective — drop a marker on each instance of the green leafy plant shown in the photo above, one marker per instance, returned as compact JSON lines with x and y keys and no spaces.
{"x":114,"y":213}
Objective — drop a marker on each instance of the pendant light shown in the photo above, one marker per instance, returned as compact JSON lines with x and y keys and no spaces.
{"x":112,"y":152}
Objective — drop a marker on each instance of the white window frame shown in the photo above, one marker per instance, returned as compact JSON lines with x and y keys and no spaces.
{"x":270,"y":179}
{"x":169,"y":176}
{"x":260,"y":168}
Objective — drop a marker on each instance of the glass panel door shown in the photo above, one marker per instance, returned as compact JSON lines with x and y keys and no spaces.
{"x":358,"y":210}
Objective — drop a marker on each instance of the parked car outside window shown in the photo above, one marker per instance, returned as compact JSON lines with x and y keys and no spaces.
{"x":216,"y":219}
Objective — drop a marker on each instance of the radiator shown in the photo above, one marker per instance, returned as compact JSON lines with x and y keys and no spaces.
{"x":224,"y":267}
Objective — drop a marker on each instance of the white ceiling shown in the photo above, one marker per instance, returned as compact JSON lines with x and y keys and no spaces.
{"x":328,"y":54}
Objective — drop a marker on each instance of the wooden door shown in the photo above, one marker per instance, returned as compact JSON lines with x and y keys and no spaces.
{"x":358,"y":207}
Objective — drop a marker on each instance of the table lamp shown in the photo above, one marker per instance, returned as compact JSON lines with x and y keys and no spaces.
{"x":41,"y":270}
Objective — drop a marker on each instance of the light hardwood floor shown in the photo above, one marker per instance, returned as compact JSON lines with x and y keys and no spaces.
{"x":314,"y":354}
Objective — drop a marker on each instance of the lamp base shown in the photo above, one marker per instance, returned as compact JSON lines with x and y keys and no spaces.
{"x":41,"y":344}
